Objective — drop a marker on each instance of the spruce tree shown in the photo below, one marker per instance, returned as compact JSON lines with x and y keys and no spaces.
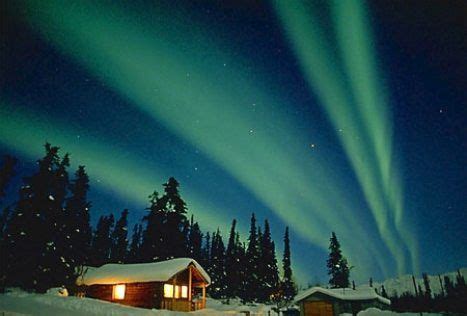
{"x":252,"y":258}
{"x":233,"y":263}
{"x":7,"y":171}
{"x":206,"y":262}
{"x":426,"y":283}
{"x":78,"y":219}
{"x":338,"y":268}
{"x":383,"y":292}
{"x":102,"y":241}
{"x":218,"y":286}
{"x":195,"y":240}
{"x":268,"y":266}
{"x":134,"y":253}
{"x":288,"y":289}
{"x":176,"y":241}
{"x":35,"y":246}
{"x":153,"y":247}
{"x":119,"y":237}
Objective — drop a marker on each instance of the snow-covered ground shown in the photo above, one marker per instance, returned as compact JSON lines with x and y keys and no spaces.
{"x":18,"y":303}
{"x":376,"y":312}
{"x":21,"y":303}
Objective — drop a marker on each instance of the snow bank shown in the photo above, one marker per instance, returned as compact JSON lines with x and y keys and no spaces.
{"x":113,"y":273}
{"x":17,"y":302}
{"x":377,"y":312}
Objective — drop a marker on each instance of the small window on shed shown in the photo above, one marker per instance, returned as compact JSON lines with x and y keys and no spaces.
{"x":118,"y":292}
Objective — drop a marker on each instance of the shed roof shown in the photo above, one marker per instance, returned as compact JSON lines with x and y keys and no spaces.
{"x":346,"y":294}
{"x":114,"y":273}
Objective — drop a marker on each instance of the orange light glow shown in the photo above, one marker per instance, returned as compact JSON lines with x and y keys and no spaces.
{"x":119,"y":292}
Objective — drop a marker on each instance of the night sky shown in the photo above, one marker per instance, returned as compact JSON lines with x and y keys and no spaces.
{"x":326,"y":116}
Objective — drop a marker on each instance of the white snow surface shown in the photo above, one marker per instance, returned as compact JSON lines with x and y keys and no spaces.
{"x":347,"y":294}
{"x":377,"y":312}
{"x":17,"y":302}
{"x":114,"y":273}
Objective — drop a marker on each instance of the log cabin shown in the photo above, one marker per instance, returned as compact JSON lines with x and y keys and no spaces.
{"x":177,"y":284}
{"x":318,"y":301}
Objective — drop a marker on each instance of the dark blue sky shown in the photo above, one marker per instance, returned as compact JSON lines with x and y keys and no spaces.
{"x":256,"y":137}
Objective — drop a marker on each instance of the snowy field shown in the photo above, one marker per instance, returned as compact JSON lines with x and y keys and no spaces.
{"x":18,"y":303}
{"x":22,"y":303}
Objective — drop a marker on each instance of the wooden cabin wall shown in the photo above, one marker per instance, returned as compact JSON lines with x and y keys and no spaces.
{"x":147,"y":294}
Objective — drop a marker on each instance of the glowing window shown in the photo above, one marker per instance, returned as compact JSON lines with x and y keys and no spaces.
{"x":119,"y":292}
{"x":177,"y":291}
{"x":168,"y":290}
{"x":184,"y":291}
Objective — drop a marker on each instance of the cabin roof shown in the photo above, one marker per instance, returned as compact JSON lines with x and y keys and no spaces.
{"x":345,"y":294}
{"x":114,"y":273}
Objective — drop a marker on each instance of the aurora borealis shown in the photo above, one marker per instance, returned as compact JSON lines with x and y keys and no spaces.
{"x":303,"y":113}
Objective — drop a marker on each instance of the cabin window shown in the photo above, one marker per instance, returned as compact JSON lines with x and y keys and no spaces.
{"x":184,"y":291}
{"x":168,"y":290}
{"x":118,"y":292}
{"x":180,"y":291}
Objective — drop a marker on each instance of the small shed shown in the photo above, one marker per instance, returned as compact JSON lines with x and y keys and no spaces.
{"x":177,"y":284}
{"x":318,"y":301}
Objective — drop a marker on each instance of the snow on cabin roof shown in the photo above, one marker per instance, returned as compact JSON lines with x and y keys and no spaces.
{"x":346,"y":294}
{"x":114,"y":273}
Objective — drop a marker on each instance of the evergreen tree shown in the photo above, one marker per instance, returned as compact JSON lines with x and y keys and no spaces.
{"x":6,"y":174}
{"x":288,"y":287}
{"x":153,"y":246}
{"x":7,"y":171}
{"x":165,"y":236}
{"x":426,"y":282}
{"x":233,"y":264}
{"x":135,"y":246}
{"x":35,"y":246}
{"x":78,"y":226}
{"x":102,"y":241}
{"x":449,"y":286}
{"x":218,"y":286}
{"x":383,"y":292}
{"x":206,"y":262}
{"x":338,"y":268}
{"x":195,"y":240}
{"x":269,"y":285}
{"x":119,"y":248}
{"x":252,"y":262}
{"x":176,"y":241}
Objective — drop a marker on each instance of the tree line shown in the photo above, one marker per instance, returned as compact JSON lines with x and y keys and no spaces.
{"x":452,"y":298}
{"x":46,"y":237}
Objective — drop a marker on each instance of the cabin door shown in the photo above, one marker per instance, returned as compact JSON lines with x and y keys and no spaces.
{"x":320,"y":308}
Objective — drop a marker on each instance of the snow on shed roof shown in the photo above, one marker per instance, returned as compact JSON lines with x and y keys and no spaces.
{"x":114,"y":273}
{"x":346,"y":294}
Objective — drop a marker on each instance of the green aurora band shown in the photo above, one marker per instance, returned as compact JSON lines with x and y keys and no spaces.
{"x":360,"y":113}
{"x":183,"y":91}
